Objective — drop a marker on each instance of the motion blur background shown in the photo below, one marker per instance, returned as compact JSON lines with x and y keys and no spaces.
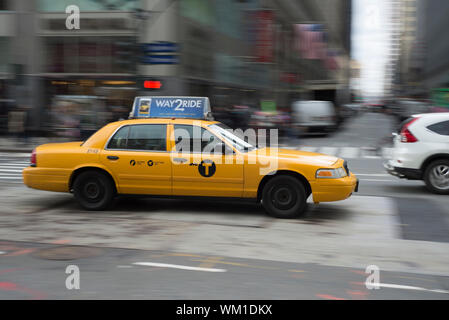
{"x":252,"y":58}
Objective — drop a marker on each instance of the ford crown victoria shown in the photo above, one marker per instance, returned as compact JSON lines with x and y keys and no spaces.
{"x":166,"y":152}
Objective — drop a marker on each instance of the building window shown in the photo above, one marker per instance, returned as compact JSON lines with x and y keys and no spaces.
{"x":4,"y":5}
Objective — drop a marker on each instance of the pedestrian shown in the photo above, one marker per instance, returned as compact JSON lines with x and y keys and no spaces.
{"x":16,"y":123}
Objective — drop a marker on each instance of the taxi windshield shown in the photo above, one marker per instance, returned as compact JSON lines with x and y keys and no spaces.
{"x":230,"y":135}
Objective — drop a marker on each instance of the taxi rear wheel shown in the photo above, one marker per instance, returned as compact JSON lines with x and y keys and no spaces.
{"x":284,"y":197}
{"x":93,"y":190}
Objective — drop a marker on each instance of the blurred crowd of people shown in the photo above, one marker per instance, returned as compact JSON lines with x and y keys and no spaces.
{"x":77,"y":117}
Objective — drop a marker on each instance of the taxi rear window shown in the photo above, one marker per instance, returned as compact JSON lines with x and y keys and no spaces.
{"x":148,"y":137}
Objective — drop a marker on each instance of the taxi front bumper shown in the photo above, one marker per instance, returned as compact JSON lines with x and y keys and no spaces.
{"x":327,"y":190}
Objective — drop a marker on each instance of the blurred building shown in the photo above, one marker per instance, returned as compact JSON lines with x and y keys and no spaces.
{"x":422,"y":67}
{"x":431,"y":65}
{"x":7,"y":34}
{"x":237,"y":52}
{"x":241,"y":52}
{"x":403,"y":47}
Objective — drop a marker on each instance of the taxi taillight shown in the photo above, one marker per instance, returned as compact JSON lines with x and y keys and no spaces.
{"x":33,"y":158}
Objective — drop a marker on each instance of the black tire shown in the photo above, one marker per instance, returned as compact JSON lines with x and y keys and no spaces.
{"x":93,"y":190}
{"x":441,"y":166}
{"x":284,"y":197}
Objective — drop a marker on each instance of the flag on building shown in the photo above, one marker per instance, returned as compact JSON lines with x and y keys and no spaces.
{"x":331,"y":61}
{"x":311,"y":41}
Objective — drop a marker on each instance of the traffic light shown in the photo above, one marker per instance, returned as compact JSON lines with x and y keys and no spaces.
{"x":151,"y":84}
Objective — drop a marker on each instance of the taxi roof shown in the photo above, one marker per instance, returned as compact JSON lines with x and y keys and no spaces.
{"x":166,"y":121}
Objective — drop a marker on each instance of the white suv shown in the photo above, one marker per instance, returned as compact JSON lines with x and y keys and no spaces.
{"x":421,"y":151}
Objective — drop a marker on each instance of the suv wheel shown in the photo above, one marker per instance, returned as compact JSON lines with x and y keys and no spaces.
{"x":436,"y":177}
{"x":284,"y":197}
{"x":93,"y":190}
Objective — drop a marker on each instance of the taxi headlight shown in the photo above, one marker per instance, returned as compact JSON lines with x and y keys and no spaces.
{"x":331,"y":173}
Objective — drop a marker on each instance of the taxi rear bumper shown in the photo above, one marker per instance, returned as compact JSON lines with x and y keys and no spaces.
{"x":327,"y":190}
{"x":45,"y":179}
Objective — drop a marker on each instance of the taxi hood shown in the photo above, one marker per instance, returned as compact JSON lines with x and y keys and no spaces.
{"x":305,"y":157}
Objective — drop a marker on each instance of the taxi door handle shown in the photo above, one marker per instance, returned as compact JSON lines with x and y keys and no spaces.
{"x":112,"y":157}
{"x":180,"y":160}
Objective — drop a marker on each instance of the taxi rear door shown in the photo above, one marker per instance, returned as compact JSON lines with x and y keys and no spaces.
{"x":197,"y":170}
{"x":137,"y":156}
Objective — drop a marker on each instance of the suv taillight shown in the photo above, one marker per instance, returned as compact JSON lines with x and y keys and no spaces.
{"x":406,"y":135}
{"x":33,"y":158}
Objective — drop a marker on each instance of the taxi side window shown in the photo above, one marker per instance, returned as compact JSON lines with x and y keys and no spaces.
{"x":120,"y":139}
{"x":194,"y":139}
{"x":150,"y":137}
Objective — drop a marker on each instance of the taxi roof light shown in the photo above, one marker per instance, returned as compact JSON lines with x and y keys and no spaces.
{"x":171,"y":107}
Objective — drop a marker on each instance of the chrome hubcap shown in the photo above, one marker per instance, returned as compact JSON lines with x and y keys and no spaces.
{"x":439,"y":177}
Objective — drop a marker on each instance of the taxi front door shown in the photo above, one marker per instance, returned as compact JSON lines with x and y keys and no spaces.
{"x":138,"y":158}
{"x":198,"y":172}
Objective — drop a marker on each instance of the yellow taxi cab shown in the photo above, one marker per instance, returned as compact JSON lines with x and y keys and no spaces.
{"x":170,"y":147}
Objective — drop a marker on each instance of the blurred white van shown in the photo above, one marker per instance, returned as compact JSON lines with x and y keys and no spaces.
{"x":314,"y":116}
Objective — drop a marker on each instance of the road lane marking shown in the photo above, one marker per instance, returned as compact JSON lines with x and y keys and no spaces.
{"x":14,"y":155}
{"x":2,"y":252}
{"x":12,"y":165}
{"x":176,"y":266}
{"x":373,"y":174}
{"x":237,"y":264}
{"x":398,"y":286}
{"x":210,"y":262}
{"x":309,"y":149}
{"x":9,"y":170}
{"x":349,"y":152}
{"x":175,"y":255}
{"x":329,"y":297}
{"x":328,"y":150}
{"x":377,"y":180}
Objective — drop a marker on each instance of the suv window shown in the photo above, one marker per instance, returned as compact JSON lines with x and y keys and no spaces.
{"x":194,"y":139}
{"x":440,"y":128}
{"x":151,"y":137}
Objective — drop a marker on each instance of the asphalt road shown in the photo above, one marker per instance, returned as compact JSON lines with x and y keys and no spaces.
{"x":177,"y":249}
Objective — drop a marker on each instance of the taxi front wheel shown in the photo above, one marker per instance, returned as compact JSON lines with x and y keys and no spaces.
{"x":284,"y":197}
{"x":93,"y":190}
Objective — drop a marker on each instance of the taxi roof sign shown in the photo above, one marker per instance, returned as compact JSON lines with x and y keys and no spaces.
{"x":171,"y":107}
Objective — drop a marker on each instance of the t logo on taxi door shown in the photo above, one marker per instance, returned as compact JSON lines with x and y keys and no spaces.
{"x":207,"y":168}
